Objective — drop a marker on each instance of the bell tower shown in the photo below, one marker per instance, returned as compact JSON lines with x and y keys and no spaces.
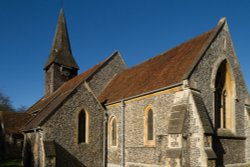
{"x":61,"y":65}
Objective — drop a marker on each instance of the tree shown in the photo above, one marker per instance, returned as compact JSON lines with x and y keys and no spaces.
{"x":21,"y":109}
{"x":5,"y":103}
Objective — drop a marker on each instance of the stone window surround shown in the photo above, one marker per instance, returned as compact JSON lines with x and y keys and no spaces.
{"x":233,"y":97}
{"x":148,"y":143}
{"x":86,"y":127}
{"x":110,"y":130}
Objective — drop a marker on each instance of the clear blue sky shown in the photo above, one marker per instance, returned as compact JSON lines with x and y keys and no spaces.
{"x":139,"y":29}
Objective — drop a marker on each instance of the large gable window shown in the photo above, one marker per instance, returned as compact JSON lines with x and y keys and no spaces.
{"x":224,"y":98}
{"x":149,"y":129}
{"x":83,"y":124}
{"x":113,"y":131}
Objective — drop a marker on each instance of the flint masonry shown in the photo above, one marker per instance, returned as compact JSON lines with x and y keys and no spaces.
{"x":188,"y":106}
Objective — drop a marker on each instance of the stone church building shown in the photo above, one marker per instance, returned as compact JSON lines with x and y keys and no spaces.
{"x":186,"y":107}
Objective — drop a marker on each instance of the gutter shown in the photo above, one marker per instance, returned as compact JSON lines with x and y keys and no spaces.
{"x":104,"y":139}
{"x":147,"y":93}
{"x":33,"y":130}
{"x":123,"y":117}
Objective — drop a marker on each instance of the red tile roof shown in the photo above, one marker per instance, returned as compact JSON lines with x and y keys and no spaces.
{"x":45,"y":101}
{"x":163,"y":70}
{"x":13,"y":121}
{"x":45,"y":106}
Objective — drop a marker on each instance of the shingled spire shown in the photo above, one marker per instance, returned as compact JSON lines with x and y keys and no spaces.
{"x":61,"y":65}
{"x":61,"y":51}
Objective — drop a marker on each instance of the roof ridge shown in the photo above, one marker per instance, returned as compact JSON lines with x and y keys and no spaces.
{"x":78,"y":76}
{"x":164,"y":52}
{"x":221,"y":22}
{"x":44,"y":98}
{"x":35,"y":104}
{"x":115,"y":52}
{"x":212,"y":36}
{"x":69,"y":91}
{"x":169,"y":67}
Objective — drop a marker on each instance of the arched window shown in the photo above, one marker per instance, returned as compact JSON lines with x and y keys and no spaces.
{"x":113,"y":131}
{"x":224,"y":98}
{"x":150,"y":127}
{"x":149,"y":132}
{"x":83,"y":124}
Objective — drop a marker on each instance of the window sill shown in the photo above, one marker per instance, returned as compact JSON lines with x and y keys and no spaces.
{"x":228,"y":134}
{"x":149,"y":145}
{"x":113,"y":147}
{"x":83,"y":143}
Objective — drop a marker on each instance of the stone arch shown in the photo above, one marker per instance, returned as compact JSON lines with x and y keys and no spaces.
{"x":149,"y":126}
{"x":113,"y":131}
{"x":215,"y":69}
{"x":223,"y":84}
{"x":83,"y":126}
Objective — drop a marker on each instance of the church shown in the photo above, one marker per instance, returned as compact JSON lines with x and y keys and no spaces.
{"x":186,"y":107}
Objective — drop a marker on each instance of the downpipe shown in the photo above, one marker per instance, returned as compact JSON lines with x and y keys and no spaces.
{"x":104,"y":140}
{"x":123,"y":134}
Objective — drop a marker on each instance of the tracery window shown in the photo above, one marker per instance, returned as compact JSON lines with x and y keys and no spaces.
{"x":224,"y":98}
{"x":83,"y":125}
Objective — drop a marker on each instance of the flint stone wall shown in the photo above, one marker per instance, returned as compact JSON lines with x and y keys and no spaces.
{"x":202,"y":79}
{"x":62,"y":127}
{"x":136,"y":153}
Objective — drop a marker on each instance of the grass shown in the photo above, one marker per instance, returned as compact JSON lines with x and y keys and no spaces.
{"x":11,"y":163}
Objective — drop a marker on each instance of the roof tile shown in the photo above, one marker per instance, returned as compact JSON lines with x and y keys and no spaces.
{"x":48,"y":104}
{"x":161,"y":71}
{"x":14,"y":121}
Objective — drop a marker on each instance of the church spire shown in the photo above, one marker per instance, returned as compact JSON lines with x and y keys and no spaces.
{"x":61,"y":50}
{"x":61,"y":65}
